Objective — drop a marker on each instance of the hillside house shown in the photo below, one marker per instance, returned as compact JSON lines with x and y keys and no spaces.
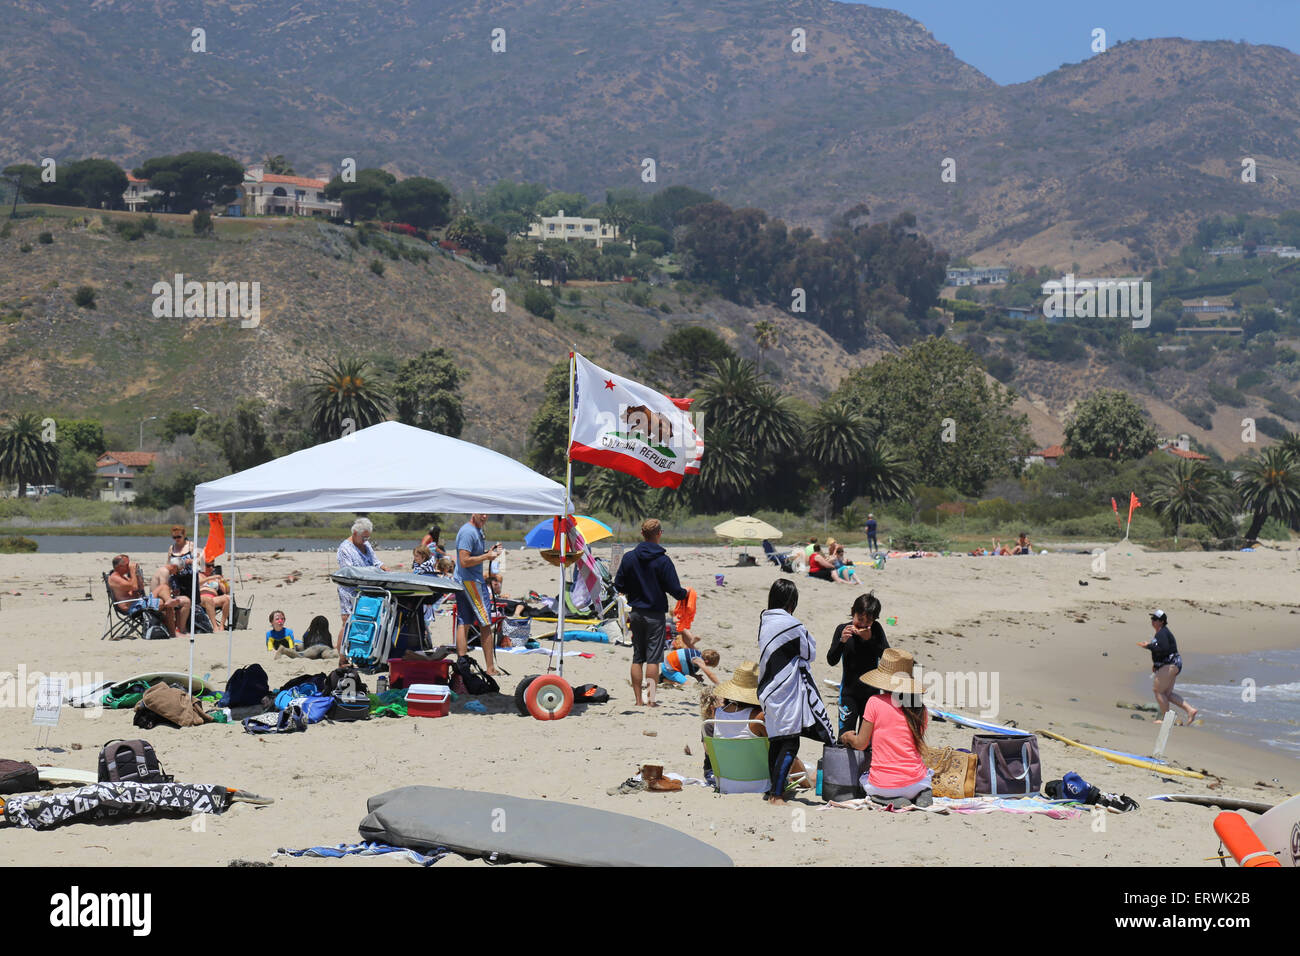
{"x":119,"y":470}
{"x":979,"y":275}
{"x":573,"y":227}
{"x":1050,"y":456}
{"x":138,"y":193}
{"x":270,"y":194}
{"x":1181,"y":448}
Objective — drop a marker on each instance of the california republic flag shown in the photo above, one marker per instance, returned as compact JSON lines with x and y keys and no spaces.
{"x":627,"y":426}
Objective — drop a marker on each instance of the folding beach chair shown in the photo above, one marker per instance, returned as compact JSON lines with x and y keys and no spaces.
{"x":739,"y":763}
{"x":370,"y":628}
{"x":145,"y":623}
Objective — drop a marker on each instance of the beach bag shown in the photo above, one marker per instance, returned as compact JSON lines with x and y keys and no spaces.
{"x":786,"y":566}
{"x":315,"y":707}
{"x":515,"y":631}
{"x":130,"y":761}
{"x":349,"y":708}
{"x":173,"y":705}
{"x":590,"y":694}
{"x":842,"y":769}
{"x":16,"y":776}
{"x":1007,"y":766}
{"x":289,"y":695}
{"x":246,"y":686}
{"x":477,"y":681}
{"x":287,"y":721}
{"x":316,"y":680}
{"x":953,"y":772}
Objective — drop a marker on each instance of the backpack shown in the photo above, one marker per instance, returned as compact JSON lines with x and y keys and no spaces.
{"x":345,"y":682}
{"x":786,"y":566}
{"x":246,"y":686}
{"x":286,"y":721}
{"x":477,"y":681}
{"x":316,"y":707}
{"x":130,"y":761}
{"x":18,"y":777}
{"x":173,"y":705}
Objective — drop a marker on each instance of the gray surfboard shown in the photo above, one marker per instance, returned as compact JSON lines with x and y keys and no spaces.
{"x":537,"y":831}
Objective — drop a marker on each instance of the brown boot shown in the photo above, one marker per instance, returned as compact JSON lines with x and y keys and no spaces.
{"x":652,"y":775}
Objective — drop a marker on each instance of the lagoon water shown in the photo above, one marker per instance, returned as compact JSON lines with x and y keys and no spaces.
{"x":136,"y":544}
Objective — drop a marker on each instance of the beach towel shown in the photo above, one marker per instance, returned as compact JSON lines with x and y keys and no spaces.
{"x":684,"y":612}
{"x":103,"y":801}
{"x":792,"y":704}
{"x":1022,"y":805}
{"x":366,"y":849}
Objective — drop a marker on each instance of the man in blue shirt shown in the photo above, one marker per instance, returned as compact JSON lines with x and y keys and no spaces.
{"x":471,"y":554}
{"x":871,"y":533}
{"x":646,"y":576}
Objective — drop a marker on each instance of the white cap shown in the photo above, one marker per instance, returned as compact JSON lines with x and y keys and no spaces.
{"x":1157,"y":613}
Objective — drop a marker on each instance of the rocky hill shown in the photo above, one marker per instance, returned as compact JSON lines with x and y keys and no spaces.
{"x":1107,"y":163}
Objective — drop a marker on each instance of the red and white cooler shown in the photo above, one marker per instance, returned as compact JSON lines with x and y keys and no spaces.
{"x":428,"y":700}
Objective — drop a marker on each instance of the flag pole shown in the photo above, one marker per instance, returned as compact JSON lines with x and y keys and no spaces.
{"x":564,"y":537}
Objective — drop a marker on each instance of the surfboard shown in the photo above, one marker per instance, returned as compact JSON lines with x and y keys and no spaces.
{"x":559,"y":833}
{"x":67,"y":776}
{"x":1131,"y":760}
{"x":201,"y":686}
{"x":984,"y":725}
{"x":1209,"y":800}
{"x":403,"y":582}
{"x":1279,"y":830}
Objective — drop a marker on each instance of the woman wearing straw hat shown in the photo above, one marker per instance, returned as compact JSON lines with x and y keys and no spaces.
{"x":792,"y":703}
{"x":893,"y":725}
{"x":737,"y":712}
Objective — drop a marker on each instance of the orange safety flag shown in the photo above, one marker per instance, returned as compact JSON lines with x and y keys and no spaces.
{"x":1132,"y":503}
{"x":1115,"y":508}
{"x":684,"y":612}
{"x":216,"y":543}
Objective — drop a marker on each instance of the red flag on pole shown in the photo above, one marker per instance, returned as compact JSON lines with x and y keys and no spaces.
{"x":216,"y":543}
{"x":1132,"y":504}
{"x":1115,"y":508}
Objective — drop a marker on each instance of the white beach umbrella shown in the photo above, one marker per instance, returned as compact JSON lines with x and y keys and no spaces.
{"x":746,"y":528}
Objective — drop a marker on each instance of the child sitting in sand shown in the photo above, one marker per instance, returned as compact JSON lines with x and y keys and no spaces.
{"x":685,"y":661}
{"x":280,"y":636}
{"x":317,"y":642}
{"x":844,"y":569}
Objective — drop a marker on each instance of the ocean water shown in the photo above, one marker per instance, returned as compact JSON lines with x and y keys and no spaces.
{"x":1222,"y":687}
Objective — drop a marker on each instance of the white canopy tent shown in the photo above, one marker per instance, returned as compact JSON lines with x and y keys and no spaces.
{"x":386,"y":467}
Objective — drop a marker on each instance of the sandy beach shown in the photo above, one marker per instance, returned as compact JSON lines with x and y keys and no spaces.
{"x":1063,"y":653}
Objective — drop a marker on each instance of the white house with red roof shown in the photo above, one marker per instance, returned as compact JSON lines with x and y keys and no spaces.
{"x":120,"y":469}
{"x":1182,"y":449}
{"x":271,"y":194}
{"x":138,"y":193}
{"x":1051,"y":455}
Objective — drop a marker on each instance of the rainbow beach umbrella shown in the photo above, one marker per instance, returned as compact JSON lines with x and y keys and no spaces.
{"x":543,"y":534}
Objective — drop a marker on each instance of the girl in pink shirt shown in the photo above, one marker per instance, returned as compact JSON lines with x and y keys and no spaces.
{"x":893,"y":725}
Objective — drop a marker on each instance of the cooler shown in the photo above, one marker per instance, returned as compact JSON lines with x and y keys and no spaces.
{"x":409,"y":673}
{"x":428,"y":700}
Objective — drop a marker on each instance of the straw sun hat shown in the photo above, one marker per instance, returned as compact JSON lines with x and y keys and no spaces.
{"x":743,"y":686}
{"x":894,"y":674}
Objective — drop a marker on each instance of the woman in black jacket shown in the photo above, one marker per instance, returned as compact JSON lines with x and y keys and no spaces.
{"x":1166,"y":665}
{"x":858,"y":644}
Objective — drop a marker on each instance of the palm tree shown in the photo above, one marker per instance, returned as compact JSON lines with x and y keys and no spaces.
{"x":621,"y":494}
{"x":344,"y":392}
{"x":883,"y":475}
{"x":1290,"y":443}
{"x":726,"y":473}
{"x":1190,"y":491}
{"x":765,"y":337}
{"x":1270,"y":488}
{"x":24,"y":456}
{"x":837,"y":441}
{"x":771,"y":426}
{"x":728,"y":394}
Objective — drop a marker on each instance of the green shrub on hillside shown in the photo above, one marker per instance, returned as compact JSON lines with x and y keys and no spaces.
{"x":84,"y":297}
{"x":377,"y":267}
{"x":539,"y":303}
{"x":18,"y":545}
{"x":46,"y":238}
{"x":919,"y":538}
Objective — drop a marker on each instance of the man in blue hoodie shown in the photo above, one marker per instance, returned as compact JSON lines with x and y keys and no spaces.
{"x":646,"y":576}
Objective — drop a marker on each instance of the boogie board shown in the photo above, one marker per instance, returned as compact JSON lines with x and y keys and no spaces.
{"x":399,"y":582}
{"x":1209,"y":800}
{"x":1132,"y":760}
{"x":538,"y":831}
{"x":201,"y":686}
{"x":1279,"y":830}
{"x":983,"y":725}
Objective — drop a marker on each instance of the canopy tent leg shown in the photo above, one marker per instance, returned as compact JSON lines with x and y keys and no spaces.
{"x":230,"y":611}
{"x":194,"y":599}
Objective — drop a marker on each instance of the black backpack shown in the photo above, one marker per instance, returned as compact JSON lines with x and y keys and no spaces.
{"x":17,"y":776}
{"x":345,"y":682}
{"x":590,"y":694}
{"x":349,"y":708}
{"x":246,"y":686}
{"x":477,"y":680}
{"x":130,"y":761}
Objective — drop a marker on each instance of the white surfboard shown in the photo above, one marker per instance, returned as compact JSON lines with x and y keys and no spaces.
{"x":1279,"y":831}
{"x":66,"y":777}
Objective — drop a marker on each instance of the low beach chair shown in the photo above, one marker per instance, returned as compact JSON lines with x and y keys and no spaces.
{"x":739,"y":763}
{"x":145,"y":623}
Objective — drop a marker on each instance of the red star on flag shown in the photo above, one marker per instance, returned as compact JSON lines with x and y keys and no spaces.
{"x":609,"y":383}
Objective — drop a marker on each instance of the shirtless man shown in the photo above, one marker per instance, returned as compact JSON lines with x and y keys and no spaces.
{"x":126,"y":583}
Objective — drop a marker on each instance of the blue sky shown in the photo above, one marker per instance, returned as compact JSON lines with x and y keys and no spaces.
{"x":1011,"y":41}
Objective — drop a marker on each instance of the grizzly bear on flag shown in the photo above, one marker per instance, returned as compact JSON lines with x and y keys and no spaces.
{"x":655,"y":426}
